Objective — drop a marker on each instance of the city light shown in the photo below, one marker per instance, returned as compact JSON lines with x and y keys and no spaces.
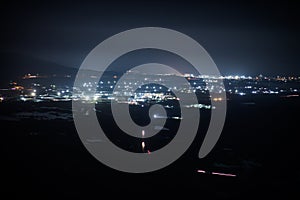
{"x":102,"y":91}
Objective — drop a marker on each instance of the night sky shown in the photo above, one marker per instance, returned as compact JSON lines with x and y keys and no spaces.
{"x":243,"y":38}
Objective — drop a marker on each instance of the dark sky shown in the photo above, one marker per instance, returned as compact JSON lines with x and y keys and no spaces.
{"x":242,"y":38}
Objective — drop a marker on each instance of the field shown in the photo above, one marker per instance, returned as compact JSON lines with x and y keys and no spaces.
{"x":41,"y":154}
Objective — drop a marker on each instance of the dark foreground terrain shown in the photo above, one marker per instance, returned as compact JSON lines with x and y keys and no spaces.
{"x":42,"y":156}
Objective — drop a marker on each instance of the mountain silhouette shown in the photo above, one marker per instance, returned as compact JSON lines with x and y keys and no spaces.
{"x":14,"y":66}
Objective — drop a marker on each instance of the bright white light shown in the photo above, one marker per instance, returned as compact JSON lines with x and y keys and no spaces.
{"x":201,"y":171}
{"x":143,"y":145}
{"x":33,"y":94}
{"x":176,"y":118}
{"x":143,"y":133}
{"x":223,"y":174}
